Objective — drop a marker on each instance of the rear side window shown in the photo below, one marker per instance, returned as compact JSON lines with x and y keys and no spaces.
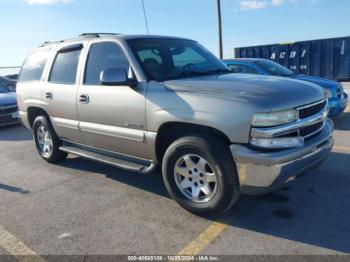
{"x":34,"y":65}
{"x":103,"y":56}
{"x":64,"y":69}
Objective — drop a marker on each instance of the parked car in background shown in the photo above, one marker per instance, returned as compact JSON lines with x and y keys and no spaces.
{"x":136,"y":102}
{"x":9,"y":83}
{"x":8,"y":107}
{"x":337,"y":98}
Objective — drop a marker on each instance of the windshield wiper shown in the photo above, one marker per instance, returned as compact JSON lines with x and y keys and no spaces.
{"x":218,"y":71}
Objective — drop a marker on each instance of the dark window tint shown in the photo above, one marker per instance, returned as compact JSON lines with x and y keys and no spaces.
{"x":243,"y":69}
{"x":34,"y":65}
{"x":64,"y":69}
{"x":104,"y":56}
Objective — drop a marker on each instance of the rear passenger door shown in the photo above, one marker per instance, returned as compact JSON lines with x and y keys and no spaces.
{"x":60,"y":92}
{"x":111,"y":117}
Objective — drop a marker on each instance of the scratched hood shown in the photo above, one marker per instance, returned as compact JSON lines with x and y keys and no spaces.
{"x":7,"y":99}
{"x":266,"y":91}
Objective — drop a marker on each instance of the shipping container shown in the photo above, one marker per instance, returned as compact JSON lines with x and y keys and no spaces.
{"x":329,"y":58}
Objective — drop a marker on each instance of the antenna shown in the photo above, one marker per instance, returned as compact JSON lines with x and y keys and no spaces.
{"x":144,"y":13}
{"x":220,"y":28}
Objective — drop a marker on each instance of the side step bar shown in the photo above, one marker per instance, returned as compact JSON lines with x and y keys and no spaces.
{"x":108,"y":159}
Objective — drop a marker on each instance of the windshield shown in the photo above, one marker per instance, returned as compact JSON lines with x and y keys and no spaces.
{"x":165,"y":59}
{"x":273,"y":68}
{"x":4,"y":89}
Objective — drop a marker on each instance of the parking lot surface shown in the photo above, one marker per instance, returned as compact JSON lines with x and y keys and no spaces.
{"x":81,"y":207}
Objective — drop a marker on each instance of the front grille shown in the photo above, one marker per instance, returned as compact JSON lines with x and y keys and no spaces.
{"x":310,"y":129}
{"x":308,"y":111}
{"x":8,"y":109}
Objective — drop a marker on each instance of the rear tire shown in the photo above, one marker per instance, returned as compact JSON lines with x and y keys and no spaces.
{"x":46,"y":141}
{"x":205,"y":164}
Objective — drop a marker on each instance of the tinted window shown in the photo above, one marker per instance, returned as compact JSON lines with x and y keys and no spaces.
{"x":64,"y":69}
{"x":243,"y":69}
{"x":103,"y":56}
{"x":34,"y":65}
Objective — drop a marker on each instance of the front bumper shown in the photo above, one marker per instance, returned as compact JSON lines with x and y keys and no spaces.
{"x":337,"y":105}
{"x":263,"y":172}
{"x":9,"y":119}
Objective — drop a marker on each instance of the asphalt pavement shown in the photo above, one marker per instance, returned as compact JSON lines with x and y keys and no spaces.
{"x":80,"y":207}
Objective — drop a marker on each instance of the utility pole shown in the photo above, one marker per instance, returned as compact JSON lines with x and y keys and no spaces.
{"x":220,"y":28}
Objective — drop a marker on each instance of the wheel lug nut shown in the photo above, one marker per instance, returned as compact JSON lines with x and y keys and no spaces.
{"x":195,"y":170}
{"x":201,"y":182}
{"x":190,"y":179}
{"x":195,"y":184}
{"x":201,"y":175}
{"x":190,"y":172}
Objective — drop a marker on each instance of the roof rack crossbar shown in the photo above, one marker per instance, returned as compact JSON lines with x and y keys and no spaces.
{"x":97,"y":34}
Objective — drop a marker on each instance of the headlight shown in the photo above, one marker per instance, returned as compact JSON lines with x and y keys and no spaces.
{"x":328,"y":93}
{"x":275,"y":118}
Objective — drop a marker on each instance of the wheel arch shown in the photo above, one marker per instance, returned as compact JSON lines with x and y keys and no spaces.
{"x":171,"y":131}
{"x":33,"y":112}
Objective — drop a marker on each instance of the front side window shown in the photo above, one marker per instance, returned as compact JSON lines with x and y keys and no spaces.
{"x":34,"y":65}
{"x":104,"y":56}
{"x":64,"y":69}
{"x":166,"y":59}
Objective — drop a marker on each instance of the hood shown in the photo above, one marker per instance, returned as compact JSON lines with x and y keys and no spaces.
{"x":325,"y":83}
{"x":7,"y":99}
{"x":274,"y":93}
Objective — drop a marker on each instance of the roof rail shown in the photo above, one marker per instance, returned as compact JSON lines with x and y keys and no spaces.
{"x":44,"y":44}
{"x":97,"y":34}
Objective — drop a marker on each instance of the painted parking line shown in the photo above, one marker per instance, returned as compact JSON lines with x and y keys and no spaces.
{"x":216,"y":228}
{"x":17,"y":248}
{"x":203,"y":239}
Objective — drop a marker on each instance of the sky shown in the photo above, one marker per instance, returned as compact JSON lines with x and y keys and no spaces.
{"x":25,"y":24}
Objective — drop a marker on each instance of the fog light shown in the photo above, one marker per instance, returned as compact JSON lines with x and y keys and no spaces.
{"x":283,"y":142}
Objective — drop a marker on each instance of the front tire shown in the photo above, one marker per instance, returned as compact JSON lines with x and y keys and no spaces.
{"x":46,"y":141}
{"x":200,"y":175}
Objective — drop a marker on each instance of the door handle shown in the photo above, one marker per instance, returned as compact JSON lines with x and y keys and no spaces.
{"x":84,"y":99}
{"x":49,"y":95}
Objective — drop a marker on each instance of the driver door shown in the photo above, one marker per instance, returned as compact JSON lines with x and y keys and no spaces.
{"x":111,"y":117}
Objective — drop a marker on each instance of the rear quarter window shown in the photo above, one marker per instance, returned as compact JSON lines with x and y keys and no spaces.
{"x":34,"y":65}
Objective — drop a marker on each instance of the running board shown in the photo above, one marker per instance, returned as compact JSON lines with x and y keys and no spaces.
{"x":109,"y":160}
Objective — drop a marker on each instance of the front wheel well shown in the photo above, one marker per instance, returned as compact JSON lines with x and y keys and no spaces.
{"x":34,"y":112}
{"x":169,"y":132}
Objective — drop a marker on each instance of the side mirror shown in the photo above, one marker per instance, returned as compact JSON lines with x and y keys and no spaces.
{"x":115,"y":77}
